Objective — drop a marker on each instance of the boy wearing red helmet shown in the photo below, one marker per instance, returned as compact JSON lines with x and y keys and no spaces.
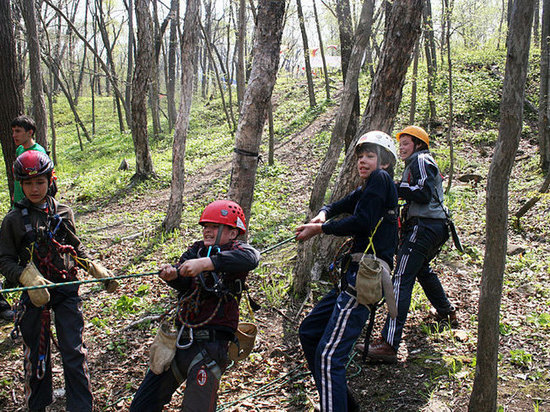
{"x":38,"y":246}
{"x":210,"y":278}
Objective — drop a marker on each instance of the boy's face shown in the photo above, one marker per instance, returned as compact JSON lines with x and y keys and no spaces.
{"x":406,"y":146}
{"x":367,"y":162}
{"x":35,"y":189}
{"x":210,"y":233}
{"x":22,"y":136}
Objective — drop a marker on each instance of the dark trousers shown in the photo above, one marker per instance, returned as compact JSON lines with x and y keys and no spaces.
{"x":4,"y":305}
{"x":201,"y":389}
{"x":420,"y":244}
{"x":327,"y":336}
{"x":69,"y":325}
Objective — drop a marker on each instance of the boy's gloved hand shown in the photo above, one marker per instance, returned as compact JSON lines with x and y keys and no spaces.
{"x":98,"y":271}
{"x":31,"y":276}
{"x":163,"y":349}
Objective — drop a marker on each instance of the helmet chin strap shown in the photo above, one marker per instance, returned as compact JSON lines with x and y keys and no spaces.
{"x":219,"y":235}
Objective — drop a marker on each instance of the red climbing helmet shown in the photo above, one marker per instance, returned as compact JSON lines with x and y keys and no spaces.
{"x":224,"y":212}
{"x":32,"y":163}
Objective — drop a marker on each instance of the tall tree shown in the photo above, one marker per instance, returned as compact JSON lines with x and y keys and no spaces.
{"x":190,"y":42}
{"x":28,"y":10}
{"x":305,"y":252}
{"x":309,"y":76}
{"x":11,"y":99}
{"x":142,"y":74}
{"x":402,"y":32}
{"x":484,"y":393}
{"x":240,"y":45}
{"x":431,"y":59}
{"x":544,"y":92}
{"x":322,"y":50}
{"x":269,"y":28}
{"x":172,"y":45}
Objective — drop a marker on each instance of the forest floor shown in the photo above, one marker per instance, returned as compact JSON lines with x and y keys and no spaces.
{"x":436,"y":364}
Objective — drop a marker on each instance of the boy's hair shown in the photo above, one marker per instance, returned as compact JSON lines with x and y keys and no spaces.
{"x":384,"y":156}
{"x":418,"y":144}
{"x":24,"y":121}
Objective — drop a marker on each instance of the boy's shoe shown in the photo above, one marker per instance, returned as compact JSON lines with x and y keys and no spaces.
{"x":381,"y":351}
{"x":449,"y":317}
{"x":7,"y":314}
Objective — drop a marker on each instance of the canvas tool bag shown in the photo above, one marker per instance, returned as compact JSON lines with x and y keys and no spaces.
{"x":374,"y":279}
{"x":163,"y":348}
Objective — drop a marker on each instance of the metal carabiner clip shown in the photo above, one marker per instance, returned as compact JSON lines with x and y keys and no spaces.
{"x":41,"y":370}
{"x":187,"y":345}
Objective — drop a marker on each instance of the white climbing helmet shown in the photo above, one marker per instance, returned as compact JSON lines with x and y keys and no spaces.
{"x":379,"y":138}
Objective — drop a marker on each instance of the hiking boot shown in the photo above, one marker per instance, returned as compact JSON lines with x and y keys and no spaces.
{"x":381,"y":351}
{"x":449,"y":317}
{"x":7,"y":314}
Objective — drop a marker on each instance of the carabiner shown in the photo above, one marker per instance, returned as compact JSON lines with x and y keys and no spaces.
{"x":187,"y":345}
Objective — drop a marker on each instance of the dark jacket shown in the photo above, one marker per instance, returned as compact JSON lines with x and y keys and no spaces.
{"x":366,"y":205}
{"x":50,"y":257}
{"x":232,"y":262}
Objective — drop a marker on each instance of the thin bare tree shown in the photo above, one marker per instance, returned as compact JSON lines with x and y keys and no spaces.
{"x":190,"y":41}
{"x":256,"y":99}
{"x":484,"y":393}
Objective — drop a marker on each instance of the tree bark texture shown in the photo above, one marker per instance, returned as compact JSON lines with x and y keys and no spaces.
{"x":267,"y":47}
{"x":190,"y":40}
{"x":173,"y":44}
{"x":241,"y":37}
{"x":142,"y":74}
{"x":544,"y":106}
{"x":384,"y":98}
{"x":37,"y":89}
{"x":11,"y":100}
{"x":484,"y":394}
{"x":322,"y":50}
{"x":431,"y":60}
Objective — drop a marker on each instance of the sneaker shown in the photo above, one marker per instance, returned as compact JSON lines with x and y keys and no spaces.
{"x":449,"y":317}
{"x":7,"y":314}
{"x":382,"y":351}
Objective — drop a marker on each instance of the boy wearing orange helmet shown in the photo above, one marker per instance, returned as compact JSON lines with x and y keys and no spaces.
{"x":423,"y":232}
{"x":209,"y":278}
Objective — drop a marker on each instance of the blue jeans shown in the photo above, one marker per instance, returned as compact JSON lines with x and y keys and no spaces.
{"x":327,"y":336}
{"x":420,"y":244}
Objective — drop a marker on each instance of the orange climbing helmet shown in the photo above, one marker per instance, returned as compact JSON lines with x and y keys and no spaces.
{"x":224,"y":212}
{"x":415,"y":131}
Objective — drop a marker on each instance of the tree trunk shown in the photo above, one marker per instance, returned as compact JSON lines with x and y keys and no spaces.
{"x":171,"y":84}
{"x":322,"y":50}
{"x":304,"y":262}
{"x":544,"y":106}
{"x":256,"y":99}
{"x":536,"y":20}
{"x":448,"y":14}
{"x":142,"y":73}
{"x":384,"y":98}
{"x":53,"y":137}
{"x":310,"y":86}
{"x":484,"y":393}
{"x":131,"y":45}
{"x":431,"y":60}
{"x":414,"y":80}
{"x":11,"y":99}
{"x":241,"y":36}
{"x":345,"y":29}
{"x":190,"y":42}
{"x":37,"y":90}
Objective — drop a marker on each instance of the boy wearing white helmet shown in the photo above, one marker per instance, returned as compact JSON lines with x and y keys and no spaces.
{"x":328,"y":333}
